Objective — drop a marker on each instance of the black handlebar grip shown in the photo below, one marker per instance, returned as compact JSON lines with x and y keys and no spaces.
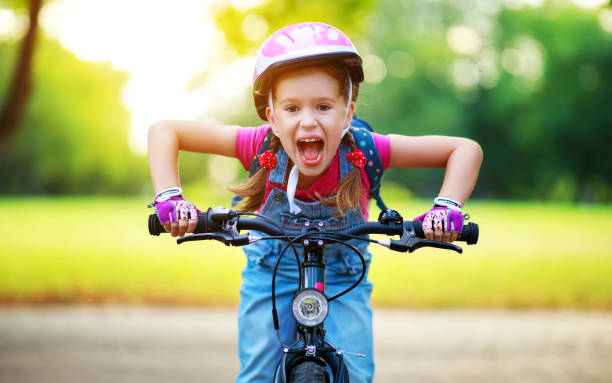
{"x":202,"y":226}
{"x":156,"y":228}
{"x":469,"y":234}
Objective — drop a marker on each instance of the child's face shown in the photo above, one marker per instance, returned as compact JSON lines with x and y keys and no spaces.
{"x":308,"y":118}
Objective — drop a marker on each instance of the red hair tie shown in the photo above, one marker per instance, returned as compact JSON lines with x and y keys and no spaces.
{"x":357,"y":158}
{"x":267,"y":160}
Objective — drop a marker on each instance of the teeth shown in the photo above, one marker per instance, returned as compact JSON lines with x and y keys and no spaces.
{"x":309,"y":139}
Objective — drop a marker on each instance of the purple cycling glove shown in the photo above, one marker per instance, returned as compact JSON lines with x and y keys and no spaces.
{"x":171,"y":207}
{"x":444,"y":216}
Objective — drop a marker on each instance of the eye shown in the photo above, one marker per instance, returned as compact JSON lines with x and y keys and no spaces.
{"x":291,"y":108}
{"x":324,"y":107}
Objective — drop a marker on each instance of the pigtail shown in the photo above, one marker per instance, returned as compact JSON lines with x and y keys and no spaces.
{"x":347,"y":196}
{"x":253,"y":190}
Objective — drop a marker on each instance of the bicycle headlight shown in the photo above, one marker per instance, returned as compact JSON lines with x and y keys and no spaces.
{"x":310,"y":307}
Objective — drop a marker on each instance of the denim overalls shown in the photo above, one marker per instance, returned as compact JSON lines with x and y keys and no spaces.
{"x":349,"y":323}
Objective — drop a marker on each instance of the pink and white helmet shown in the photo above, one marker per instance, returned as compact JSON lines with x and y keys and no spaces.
{"x":300,"y":43}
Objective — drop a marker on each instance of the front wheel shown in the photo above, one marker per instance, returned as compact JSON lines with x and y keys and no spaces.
{"x":309,"y":372}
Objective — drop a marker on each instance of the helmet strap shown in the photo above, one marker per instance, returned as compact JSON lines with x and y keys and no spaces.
{"x":348,"y":106}
{"x":271,"y":105}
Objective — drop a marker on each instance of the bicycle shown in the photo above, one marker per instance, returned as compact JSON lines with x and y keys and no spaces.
{"x":308,"y":359}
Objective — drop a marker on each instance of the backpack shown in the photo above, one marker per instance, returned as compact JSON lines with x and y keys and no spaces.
{"x":362,"y":133}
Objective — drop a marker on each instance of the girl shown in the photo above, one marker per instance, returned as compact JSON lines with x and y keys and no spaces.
{"x":305,"y":86}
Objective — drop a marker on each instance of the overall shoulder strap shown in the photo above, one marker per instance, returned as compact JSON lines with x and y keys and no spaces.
{"x":277,"y":175}
{"x":255,"y":166}
{"x":362,"y":133}
{"x":357,"y":122}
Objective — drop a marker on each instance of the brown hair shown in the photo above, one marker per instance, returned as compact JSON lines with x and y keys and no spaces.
{"x":347,"y":196}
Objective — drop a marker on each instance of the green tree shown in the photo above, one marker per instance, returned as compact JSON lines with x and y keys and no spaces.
{"x":543,"y":121}
{"x":353,"y":17}
{"x":551,"y":137}
{"x":73,"y":137}
{"x":21,"y":85}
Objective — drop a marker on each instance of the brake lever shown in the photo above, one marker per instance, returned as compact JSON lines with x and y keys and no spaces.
{"x":221,"y":236}
{"x":409,"y":242}
{"x":230,"y":236}
{"x":417,"y":243}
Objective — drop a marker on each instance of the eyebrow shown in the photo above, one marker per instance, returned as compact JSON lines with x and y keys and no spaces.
{"x":296,"y":101}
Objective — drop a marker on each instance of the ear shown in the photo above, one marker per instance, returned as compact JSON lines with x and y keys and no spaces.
{"x":351,"y":113}
{"x":271,"y":119}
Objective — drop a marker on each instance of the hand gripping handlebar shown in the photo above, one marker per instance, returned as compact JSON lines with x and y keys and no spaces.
{"x":215,"y":221}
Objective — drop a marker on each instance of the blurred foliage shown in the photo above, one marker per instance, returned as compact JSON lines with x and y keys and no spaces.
{"x":246,"y":30}
{"x":544,"y":133}
{"x":73,"y":138}
{"x":557,"y":133}
{"x":530,"y":84}
{"x":15,"y":4}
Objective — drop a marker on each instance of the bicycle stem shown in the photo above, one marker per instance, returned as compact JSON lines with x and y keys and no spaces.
{"x":313,"y":267}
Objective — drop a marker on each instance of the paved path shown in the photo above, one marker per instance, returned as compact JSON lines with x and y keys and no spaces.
{"x":141,"y":344}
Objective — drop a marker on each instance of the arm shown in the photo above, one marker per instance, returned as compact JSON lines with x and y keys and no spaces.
{"x":460,"y":156}
{"x":166,"y":138}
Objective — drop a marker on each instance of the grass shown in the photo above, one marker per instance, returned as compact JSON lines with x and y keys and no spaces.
{"x":99,"y":250}
{"x":530,"y":255}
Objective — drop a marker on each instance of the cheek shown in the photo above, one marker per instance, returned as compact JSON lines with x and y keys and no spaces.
{"x":285,"y":134}
{"x":288,"y":145}
{"x":286,"y":142}
{"x":334,"y":136}
{"x":332,"y":146}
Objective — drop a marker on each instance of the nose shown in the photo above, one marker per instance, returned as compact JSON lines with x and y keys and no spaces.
{"x":308,"y":120}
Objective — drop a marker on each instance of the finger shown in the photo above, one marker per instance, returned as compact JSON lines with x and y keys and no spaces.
{"x":193,"y":219}
{"x":174,"y":229}
{"x":428,"y":234}
{"x":437,"y":235}
{"x":454,"y":236}
{"x":167,"y":227}
{"x":182,"y":227}
{"x":191,"y":225}
{"x":446,"y":236}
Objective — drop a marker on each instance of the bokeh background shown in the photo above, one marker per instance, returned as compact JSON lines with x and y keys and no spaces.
{"x":81,"y":81}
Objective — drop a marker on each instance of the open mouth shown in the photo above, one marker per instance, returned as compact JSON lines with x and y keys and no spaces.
{"x":310,"y":150}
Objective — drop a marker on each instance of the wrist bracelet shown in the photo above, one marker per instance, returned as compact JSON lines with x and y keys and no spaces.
{"x":166,"y":194}
{"x":447,"y":202}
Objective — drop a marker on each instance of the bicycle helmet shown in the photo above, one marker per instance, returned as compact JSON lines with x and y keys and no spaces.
{"x":298,"y":44}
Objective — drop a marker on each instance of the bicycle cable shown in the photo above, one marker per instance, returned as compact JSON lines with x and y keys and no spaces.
{"x":297,"y":259}
{"x":313,"y":234}
{"x":363,"y":266}
{"x":291,"y":243}
{"x":297,"y":238}
{"x":285,"y":235}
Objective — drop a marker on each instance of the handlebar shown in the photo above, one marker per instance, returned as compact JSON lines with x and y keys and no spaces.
{"x":224,"y":224}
